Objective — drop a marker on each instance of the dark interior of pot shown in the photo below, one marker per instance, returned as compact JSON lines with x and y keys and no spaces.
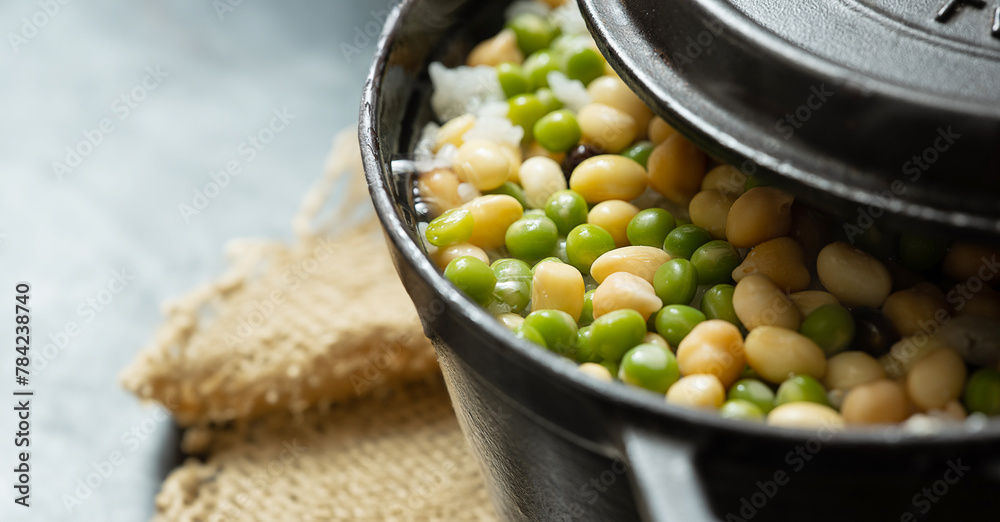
{"x":556,"y":446}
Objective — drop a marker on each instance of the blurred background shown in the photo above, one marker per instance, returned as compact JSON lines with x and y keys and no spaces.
{"x":120,"y":123}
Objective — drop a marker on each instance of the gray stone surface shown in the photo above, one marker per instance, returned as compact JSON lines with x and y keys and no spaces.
{"x":67,"y":231}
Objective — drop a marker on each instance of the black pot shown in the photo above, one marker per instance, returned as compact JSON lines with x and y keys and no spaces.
{"x":557,"y":445}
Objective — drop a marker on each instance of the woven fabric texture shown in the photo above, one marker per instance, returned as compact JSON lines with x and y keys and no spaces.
{"x":394,"y":456}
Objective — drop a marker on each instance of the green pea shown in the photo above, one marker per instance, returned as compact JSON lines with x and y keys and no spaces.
{"x":527,"y":332}
{"x":453,"y":226}
{"x":714,"y":262}
{"x":557,"y":328}
{"x":649,"y":366}
{"x":584,"y":64}
{"x":472,"y":276}
{"x":612,"y":366}
{"x":538,"y":66}
{"x":982,"y":392}
{"x":587,"y":315}
{"x":877,"y":242}
{"x":650,"y":227}
{"x":717,"y":303}
{"x":567,"y":209}
{"x":831,"y":327}
{"x":675,"y":282}
{"x":753,"y":391}
{"x":534,"y":212}
{"x":532,"y":32}
{"x":684,"y":240}
{"x":557,"y":131}
{"x":674,"y":322}
{"x":531,"y":238}
{"x":753,"y":182}
{"x":801,"y":388}
{"x":512,"y":291}
{"x":548,"y":99}
{"x":612,"y":334}
{"x":509,"y":188}
{"x":584,"y":350}
{"x":740,"y":409}
{"x":585,"y":243}
{"x":560,"y":250}
{"x":512,"y":79}
{"x":524,"y":110}
{"x":921,"y":253}
{"x":639,"y":153}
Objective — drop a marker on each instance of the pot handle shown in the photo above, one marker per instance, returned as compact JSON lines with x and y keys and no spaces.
{"x":663,"y":476}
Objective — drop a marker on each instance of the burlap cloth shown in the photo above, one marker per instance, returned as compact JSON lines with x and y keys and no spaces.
{"x":304,"y":381}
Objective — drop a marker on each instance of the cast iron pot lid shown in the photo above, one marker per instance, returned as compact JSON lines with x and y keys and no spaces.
{"x":877,"y":110}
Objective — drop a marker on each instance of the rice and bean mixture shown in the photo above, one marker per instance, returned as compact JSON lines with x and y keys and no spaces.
{"x":558,"y":201}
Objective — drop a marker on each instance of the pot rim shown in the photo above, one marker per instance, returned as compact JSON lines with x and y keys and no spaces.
{"x":632,"y":402}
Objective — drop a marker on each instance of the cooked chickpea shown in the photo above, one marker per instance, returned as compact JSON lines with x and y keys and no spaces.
{"x":760,"y":214}
{"x":936,"y":380}
{"x":965,"y":261}
{"x":536,"y":150}
{"x":642,"y":261}
{"x":612,"y":91}
{"x":676,"y":168}
{"x":853,"y":276}
{"x":713,"y":347}
{"x":439,"y":189}
{"x":491,"y":216}
{"x":659,"y":130}
{"x":514,"y":159}
{"x":849,"y":369}
{"x":775,"y":353}
{"x":877,"y":402}
{"x":697,"y":391}
{"x":613,"y":216}
{"x":606,"y":127}
{"x":985,"y":303}
{"x":452,"y":131}
{"x":758,"y":302}
{"x":910,"y":311}
{"x":622,"y":290}
{"x":500,"y":49}
{"x":727,"y":179}
{"x":805,"y":415}
{"x":709,"y":209}
{"x":540,"y":178}
{"x":809,"y":300}
{"x":906,"y":353}
{"x":509,"y":320}
{"x":596,"y":371}
{"x":482,"y":163}
{"x":657,"y":339}
{"x":780,"y":259}
{"x":607,"y":176}
{"x":557,"y":286}
{"x":444,"y":255}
